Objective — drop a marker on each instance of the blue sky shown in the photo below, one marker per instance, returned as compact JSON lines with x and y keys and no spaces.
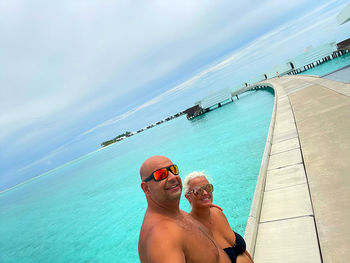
{"x":76,"y":73}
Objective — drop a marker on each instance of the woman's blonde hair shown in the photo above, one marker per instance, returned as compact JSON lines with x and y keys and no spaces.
{"x":192,"y":175}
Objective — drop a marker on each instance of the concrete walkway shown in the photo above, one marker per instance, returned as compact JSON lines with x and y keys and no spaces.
{"x":305,"y":211}
{"x":342,"y":75}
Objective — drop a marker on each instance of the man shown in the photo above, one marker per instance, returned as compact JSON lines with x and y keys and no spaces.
{"x":169,"y":234}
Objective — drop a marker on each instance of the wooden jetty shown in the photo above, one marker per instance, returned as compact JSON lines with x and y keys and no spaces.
{"x":213,"y":101}
{"x":217,"y":100}
{"x":310,"y":59}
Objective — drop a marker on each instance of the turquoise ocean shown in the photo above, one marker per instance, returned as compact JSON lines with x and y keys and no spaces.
{"x":91,"y":209}
{"x":329,"y":66}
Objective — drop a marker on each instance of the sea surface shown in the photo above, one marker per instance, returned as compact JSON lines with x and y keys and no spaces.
{"x":91,"y":209}
{"x":329,"y":66}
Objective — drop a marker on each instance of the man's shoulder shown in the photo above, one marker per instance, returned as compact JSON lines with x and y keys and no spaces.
{"x":168,"y":229}
{"x":155,"y":224}
{"x":158,"y":234}
{"x":161,"y":232}
{"x":163,"y":225}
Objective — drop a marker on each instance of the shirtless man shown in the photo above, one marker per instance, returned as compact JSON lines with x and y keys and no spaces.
{"x":169,"y":234}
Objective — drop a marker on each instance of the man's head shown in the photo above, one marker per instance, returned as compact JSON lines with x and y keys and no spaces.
{"x":162,"y":187}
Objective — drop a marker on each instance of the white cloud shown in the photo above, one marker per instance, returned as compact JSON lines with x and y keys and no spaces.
{"x":270,"y":42}
{"x":65,"y":61}
{"x":125,"y":114}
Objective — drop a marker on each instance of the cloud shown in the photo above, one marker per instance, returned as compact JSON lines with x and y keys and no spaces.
{"x":270,"y":42}
{"x":66,"y":65}
{"x":60,"y":56}
{"x":128,"y":113}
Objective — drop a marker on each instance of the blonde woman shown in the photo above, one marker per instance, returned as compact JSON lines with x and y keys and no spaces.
{"x":199,"y":192}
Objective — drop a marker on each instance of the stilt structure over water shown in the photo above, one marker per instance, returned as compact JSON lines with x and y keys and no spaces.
{"x":343,"y":37}
{"x":194,"y":111}
{"x":314,"y":58}
{"x":213,"y":101}
{"x":311,"y":58}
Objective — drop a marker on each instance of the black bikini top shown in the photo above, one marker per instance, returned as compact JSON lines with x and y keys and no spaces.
{"x":238,"y":248}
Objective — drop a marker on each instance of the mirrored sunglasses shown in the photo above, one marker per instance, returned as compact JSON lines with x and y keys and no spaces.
{"x":199,"y":190}
{"x":162,"y":173}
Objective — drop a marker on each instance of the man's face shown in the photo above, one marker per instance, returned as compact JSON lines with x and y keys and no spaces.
{"x":165,"y":190}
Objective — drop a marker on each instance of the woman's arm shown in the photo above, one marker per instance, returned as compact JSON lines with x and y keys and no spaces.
{"x":248,"y":255}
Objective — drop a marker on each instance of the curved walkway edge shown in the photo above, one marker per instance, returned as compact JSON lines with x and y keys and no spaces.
{"x":300,"y":210}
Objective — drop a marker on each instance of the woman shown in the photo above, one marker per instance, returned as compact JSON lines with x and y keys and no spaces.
{"x":199,"y":192}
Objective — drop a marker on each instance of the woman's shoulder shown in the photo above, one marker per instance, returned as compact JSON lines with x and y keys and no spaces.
{"x":217,"y":211}
{"x":222,"y":226}
{"x":216,"y":206}
{"x":219,"y":215}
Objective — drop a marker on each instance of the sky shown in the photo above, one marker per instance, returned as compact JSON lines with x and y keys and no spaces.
{"x":76,"y":73}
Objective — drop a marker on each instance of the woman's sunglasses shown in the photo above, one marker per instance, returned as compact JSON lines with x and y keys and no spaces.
{"x":163,"y":173}
{"x":199,"y":190}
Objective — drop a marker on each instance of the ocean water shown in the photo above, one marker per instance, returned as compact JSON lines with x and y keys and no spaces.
{"x":91,"y":209}
{"x":329,"y":66}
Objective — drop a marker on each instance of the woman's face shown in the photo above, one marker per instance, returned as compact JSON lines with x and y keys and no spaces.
{"x":202,"y":200}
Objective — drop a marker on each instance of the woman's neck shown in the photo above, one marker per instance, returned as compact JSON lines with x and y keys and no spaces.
{"x":201,"y":214}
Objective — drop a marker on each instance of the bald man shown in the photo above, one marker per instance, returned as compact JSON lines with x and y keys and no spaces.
{"x":169,"y":234}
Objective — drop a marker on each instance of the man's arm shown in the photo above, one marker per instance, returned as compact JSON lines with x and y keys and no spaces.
{"x":165,"y":245}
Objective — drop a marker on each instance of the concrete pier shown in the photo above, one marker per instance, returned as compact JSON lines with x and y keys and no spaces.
{"x":300,"y":210}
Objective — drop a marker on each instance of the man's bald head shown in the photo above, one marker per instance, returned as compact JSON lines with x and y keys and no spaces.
{"x":153,"y":163}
